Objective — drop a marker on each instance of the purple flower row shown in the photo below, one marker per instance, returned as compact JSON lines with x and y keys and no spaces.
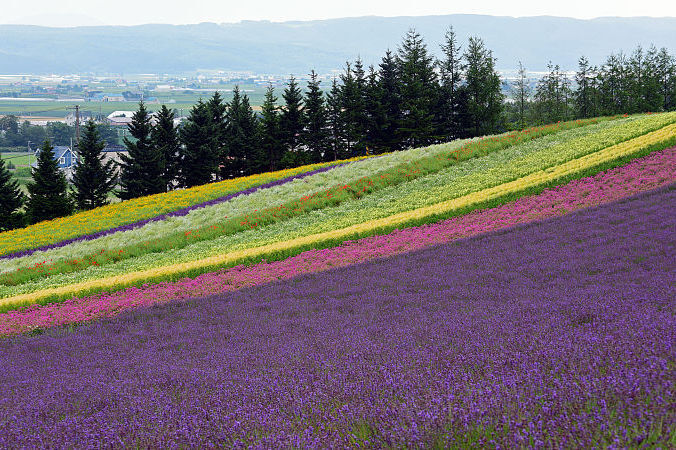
{"x":556,"y":334}
{"x":177,"y":213}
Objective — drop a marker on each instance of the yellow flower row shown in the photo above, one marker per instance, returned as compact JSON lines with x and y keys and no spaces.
{"x":119,"y":214}
{"x":552,"y":174}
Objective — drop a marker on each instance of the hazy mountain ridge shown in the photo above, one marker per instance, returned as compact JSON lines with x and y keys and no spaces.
{"x":296,"y":47}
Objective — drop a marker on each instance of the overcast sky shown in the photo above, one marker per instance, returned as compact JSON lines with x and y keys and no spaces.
{"x":133,"y":12}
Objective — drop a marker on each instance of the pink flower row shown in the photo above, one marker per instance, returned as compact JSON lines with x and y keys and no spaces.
{"x":641,"y":175}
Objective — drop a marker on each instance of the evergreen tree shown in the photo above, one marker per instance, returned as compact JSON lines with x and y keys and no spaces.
{"x":199,"y":158}
{"x":585,"y":95}
{"x":483,"y":88}
{"x":93,"y":179}
{"x":521,"y":95}
{"x":165,"y":140}
{"x":141,"y":172}
{"x":390,"y":100}
{"x":614,"y":85}
{"x":218,"y":111}
{"x":11,"y":199}
{"x":375,"y":113}
{"x":336,"y":127}
{"x":48,"y":192}
{"x":419,"y":90}
{"x":450,"y":109}
{"x":351,"y":110}
{"x":652,"y":95}
{"x":553,"y":96}
{"x":291,"y":122}
{"x":666,"y":78}
{"x":315,"y":133}
{"x":270,"y":132}
{"x":242,"y":137}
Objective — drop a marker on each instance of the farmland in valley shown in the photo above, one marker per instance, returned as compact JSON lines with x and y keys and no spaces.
{"x":509,"y":290}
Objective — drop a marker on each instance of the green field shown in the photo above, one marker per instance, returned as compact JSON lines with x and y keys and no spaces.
{"x":179,"y":100}
{"x":19,"y":159}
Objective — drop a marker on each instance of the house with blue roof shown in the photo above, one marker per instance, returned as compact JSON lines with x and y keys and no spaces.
{"x":64,"y":157}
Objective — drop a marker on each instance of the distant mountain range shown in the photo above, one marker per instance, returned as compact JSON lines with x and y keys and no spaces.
{"x":297,"y":47}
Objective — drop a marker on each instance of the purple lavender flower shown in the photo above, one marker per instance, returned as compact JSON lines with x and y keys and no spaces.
{"x":554,"y":334}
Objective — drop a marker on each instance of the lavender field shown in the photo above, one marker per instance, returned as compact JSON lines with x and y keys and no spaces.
{"x":556,"y":333}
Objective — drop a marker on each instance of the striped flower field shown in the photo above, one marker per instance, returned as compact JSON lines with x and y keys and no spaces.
{"x":647,"y":173}
{"x":508,"y":291}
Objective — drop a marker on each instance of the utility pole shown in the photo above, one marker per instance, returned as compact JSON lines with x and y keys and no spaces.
{"x":77,"y":126}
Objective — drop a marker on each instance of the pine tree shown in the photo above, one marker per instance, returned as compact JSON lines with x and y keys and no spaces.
{"x":141,"y":172}
{"x":242,"y":137}
{"x":351,"y":110}
{"x":552,"y":96}
{"x":165,"y":140}
{"x":584,"y":95}
{"x":291,"y":122}
{"x":336,"y":127}
{"x":419,"y":90}
{"x":651,"y":84}
{"x":218,"y":111}
{"x":11,"y":199}
{"x":483,"y":89}
{"x":666,"y":77}
{"x":449,"y":112}
{"x":375,"y":114}
{"x":390,"y":99}
{"x":315,"y":133}
{"x":270,"y":132}
{"x":521,"y":96}
{"x":199,"y":158}
{"x":614,"y":85}
{"x":48,"y":192}
{"x":93,"y":179}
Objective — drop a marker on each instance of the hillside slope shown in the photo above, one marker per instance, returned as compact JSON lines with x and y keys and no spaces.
{"x":556,"y":334}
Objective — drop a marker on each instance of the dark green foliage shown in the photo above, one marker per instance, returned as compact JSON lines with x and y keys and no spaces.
{"x":218,"y":111}
{"x":93,"y":179}
{"x":553,"y":96}
{"x":243,"y":147}
{"x":666,"y":78}
{"x":141,"y":172}
{"x":165,"y":140}
{"x":419,"y":91}
{"x":315,"y":132}
{"x":451,"y":116}
{"x":335,"y":123}
{"x":389,"y":85}
{"x":270,"y":131}
{"x":351,"y":110}
{"x":291,"y":122}
{"x":585,"y":95}
{"x":376,"y":115}
{"x":47,"y":193}
{"x":484,"y":95}
{"x":520,"y":95}
{"x":109,"y":134}
{"x":199,"y":157}
{"x":11,"y":199}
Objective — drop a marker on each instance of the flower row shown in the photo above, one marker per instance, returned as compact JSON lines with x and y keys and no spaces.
{"x":131,"y":211}
{"x":640,"y":175}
